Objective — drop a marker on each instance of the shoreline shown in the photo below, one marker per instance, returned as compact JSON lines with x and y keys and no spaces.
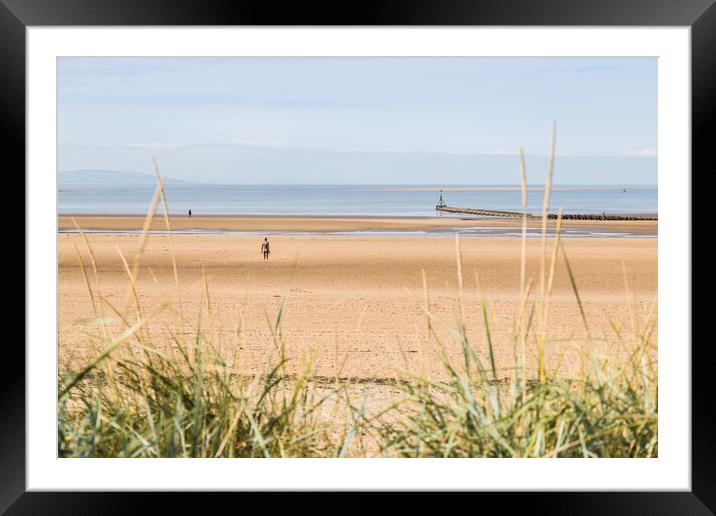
{"x":344,"y":225}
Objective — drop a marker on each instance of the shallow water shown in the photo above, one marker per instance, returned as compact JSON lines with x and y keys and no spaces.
{"x":364,"y":200}
{"x":468,"y":232}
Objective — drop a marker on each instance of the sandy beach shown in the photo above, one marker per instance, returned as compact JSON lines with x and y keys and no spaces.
{"x":356,"y":303}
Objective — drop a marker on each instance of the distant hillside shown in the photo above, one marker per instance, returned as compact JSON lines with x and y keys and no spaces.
{"x":110,"y":177}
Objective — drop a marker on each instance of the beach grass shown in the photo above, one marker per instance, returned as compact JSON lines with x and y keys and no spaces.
{"x":139,"y":397}
{"x":610,"y":409}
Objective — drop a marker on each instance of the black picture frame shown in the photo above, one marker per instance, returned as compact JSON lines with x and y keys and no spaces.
{"x":700,"y":15}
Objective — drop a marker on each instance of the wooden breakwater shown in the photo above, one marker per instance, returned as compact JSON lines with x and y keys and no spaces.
{"x":565,"y":216}
{"x":476,"y":211}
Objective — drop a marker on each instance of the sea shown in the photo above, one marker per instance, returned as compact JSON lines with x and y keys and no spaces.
{"x":347,"y":200}
{"x":368,"y":201}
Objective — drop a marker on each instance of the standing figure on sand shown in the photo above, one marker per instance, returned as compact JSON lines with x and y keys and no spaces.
{"x":265,"y":248}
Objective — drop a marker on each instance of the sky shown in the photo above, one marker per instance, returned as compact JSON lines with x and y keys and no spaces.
{"x":361,"y":120}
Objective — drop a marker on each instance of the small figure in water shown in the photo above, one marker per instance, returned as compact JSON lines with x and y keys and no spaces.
{"x":189,"y":213}
{"x":265,"y":248}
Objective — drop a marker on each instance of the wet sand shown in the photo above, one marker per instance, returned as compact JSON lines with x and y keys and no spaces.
{"x":336,"y":224}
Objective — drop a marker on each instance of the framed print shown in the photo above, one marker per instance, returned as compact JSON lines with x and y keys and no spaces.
{"x":418,"y":249}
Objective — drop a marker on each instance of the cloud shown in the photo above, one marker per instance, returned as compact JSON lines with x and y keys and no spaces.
{"x":283,"y":146}
{"x":646,"y":152}
{"x":499,"y":151}
{"x":164,"y":146}
{"x":180,"y":145}
{"x":275,"y":145}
